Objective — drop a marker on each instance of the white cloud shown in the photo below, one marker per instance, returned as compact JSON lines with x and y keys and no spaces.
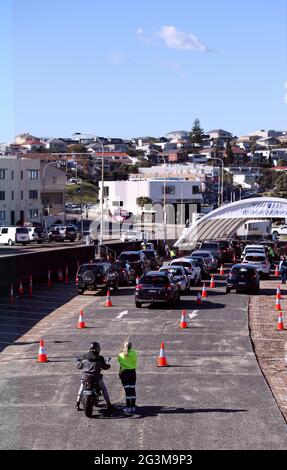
{"x":179,"y":40}
{"x":139,"y":31}
{"x":117,"y":58}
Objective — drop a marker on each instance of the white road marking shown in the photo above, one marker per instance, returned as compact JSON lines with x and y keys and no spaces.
{"x":194,"y":314}
{"x":120,"y":315}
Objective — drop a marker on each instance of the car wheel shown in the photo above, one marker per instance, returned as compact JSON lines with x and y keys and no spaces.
{"x":138,"y":304}
{"x":228,"y":290}
{"x":115,"y":287}
{"x":80,"y":291}
{"x":10,"y":243}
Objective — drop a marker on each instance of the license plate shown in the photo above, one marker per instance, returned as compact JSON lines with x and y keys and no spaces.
{"x":153,"y":291}
{"x":87,"y":392}
{"x":242,"y":283}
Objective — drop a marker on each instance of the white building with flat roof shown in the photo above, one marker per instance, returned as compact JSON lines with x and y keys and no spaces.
{"x":179,"y":194}
{"x":25,"y":194}
{"x":20,"y":187}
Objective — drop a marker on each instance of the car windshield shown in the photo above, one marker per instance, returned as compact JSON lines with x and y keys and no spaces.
{"x":201,"y":255}
{"x":209,"y":246}
{"x":21,"y":230}
{"x":155,"y":280}
{"x":98,"y":269}
{"x":255,"y":258}
{"x":185,"y":264}
{"x":243,"y":271}
{"x":129,"y":257}
{"x":149,"y":254}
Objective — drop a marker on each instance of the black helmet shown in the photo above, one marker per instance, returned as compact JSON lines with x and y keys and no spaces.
{"x":95,"y":347}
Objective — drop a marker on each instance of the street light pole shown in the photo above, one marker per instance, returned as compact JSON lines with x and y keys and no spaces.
{"x":102,"y":191}
{"x":164,"y":197}
{"x":220,"y":195}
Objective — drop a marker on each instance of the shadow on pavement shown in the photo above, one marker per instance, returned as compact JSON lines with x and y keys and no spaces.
{"x":149,"y":411}
{"x":25,"y":313}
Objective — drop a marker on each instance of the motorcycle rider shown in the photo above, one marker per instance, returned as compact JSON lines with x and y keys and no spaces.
{"x":92,"y":363}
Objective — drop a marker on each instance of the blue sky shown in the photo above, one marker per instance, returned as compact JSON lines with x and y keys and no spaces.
{"x":126,"y":68}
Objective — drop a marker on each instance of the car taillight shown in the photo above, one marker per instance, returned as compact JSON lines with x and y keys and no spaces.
{"x":77,"y":280}
{"x":168,"y":287}
{"x":123,"y":270}
{"x":139,"y":286}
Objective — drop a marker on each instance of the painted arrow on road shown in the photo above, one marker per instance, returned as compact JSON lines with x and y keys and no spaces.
{"x":120,"y":315}
{"x":194,"y":314}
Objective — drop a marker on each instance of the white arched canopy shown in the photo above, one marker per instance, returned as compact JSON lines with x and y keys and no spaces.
{"x":226,"y":220}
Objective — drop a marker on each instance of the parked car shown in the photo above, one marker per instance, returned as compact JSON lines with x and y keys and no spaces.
{"x":208,"y":257}
{"x":96,"y":276}
{"x":131,"y":236}
{"x":278,"y":231}
{"x":137,"y":259}
{"x":13,"y":235}
{"x":204,"y":267}
{"x":260,"y":261}
{"x":227,"y":251}
{"x":214,"y":248}
{"x":194,"y":272}
{"x":180,"y":276}
{"x":63,"y":232}
{"x":254,"y":249}
{"x":154,"y":258}
{"x":243,"y":277}
{"x":156,"y":286}
{"x":125,"y":272}
{"x":37,"y":234}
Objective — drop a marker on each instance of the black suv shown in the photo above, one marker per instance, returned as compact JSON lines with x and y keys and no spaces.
{"x":137,"y":260}
{"x":62,"y":233}
{"x":96,"y":276}
{"x":125,"y":272}
{"x":243,"y":277}
{"x":157,"y":286}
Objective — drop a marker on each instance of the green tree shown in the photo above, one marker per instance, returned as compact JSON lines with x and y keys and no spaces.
{"x":77,"y":148}
{"x":229,"y":154}
{"x":197,"y":133}
{"x":143,"y":201}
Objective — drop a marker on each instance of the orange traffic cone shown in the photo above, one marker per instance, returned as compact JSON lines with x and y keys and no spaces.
{"x":212,"y":283}
{"x":21,"y":290}
{"x":60,"y":275}
{"x":108,"y":300}
{"x":221,"y":272}
{"x":161,"y":360}
{"x":280,"y":325}
{"x":198,"y":299}
{"x":278,"y":305}
{"x":278,"y":293}
{"x":234,"y":259}
{"x":183,"y":323}
{"x":81,"y":323}
{"x":276,"y":271}
{"x":204,"y":292}
{"x":42,"y":355}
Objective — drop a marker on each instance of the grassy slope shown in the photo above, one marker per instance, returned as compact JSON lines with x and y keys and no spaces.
{"x":88,"y":194}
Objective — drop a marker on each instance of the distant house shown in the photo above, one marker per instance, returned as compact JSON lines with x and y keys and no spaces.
{"x":267,"y":142}
{"x":174,"y":155}
{"x":178,"y":136}
{"x":220,"y":134}
{"x":56,"y":145}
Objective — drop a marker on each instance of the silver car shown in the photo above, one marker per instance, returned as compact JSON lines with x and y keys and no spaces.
{"x":180,"y":276}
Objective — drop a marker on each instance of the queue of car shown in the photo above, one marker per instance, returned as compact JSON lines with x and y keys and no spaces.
{"x":158,"y":282}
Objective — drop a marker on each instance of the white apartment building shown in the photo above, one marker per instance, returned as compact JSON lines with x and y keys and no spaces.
{"x":20,"y":187}
{"x":179,"y":194}
{"x":25,"y":195}
{"x":175,"y":136}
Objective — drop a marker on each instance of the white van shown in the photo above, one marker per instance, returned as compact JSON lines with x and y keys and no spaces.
{"x":255,"y":229}
{"x":12,"y":235}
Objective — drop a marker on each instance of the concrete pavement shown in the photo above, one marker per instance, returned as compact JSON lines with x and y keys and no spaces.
{"x":212,"y":396}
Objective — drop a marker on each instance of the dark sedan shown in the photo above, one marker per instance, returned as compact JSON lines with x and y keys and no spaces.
{"x":243,"y":277}
{"x":157,"y":286}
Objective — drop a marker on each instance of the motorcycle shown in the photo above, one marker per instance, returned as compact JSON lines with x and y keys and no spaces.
{"x":91,"y":392}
